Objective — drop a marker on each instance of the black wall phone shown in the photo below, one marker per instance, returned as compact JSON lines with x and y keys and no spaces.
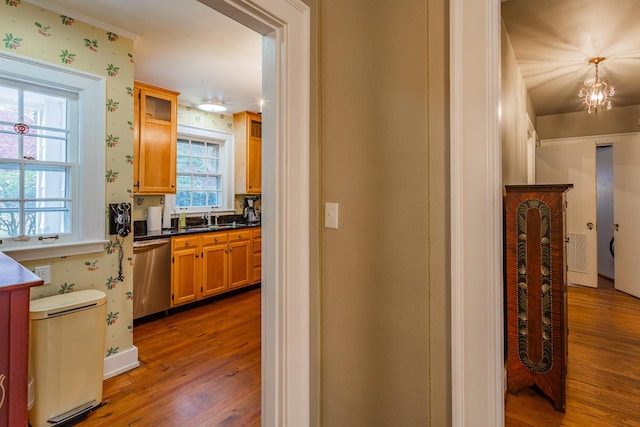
{"x":120,"y":219}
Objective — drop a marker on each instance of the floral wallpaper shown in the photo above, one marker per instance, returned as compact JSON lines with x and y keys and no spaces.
{"x":37,"y":33}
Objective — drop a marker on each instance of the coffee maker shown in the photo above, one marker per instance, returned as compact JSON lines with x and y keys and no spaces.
{"x":250,"y":212}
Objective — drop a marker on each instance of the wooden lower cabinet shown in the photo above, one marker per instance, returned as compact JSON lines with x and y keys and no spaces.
{"x":240,"y":259}
{"x":204,"y":265}
{"x":186,"y":269}
{"x":257,"y":255}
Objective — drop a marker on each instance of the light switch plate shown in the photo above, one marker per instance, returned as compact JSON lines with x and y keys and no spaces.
{"x":331,"y":215}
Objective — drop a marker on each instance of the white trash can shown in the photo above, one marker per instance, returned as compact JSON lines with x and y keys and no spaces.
{"x":67,"y":355}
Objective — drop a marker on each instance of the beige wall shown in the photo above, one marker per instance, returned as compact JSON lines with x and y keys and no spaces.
{"x":384,"y":304}
{"x":616,"y":120}
{"x":515,"y":107}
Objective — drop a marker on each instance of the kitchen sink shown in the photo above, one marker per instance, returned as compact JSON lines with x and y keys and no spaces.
{"x":215,"y":227}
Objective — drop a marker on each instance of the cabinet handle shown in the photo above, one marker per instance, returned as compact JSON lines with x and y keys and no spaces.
{"x":2,"y":395}
{"x":230,"y":249}
{"x":615,"y":226}
{"x":173,"y":185}
{"x":215,"y":239}
{"x":187,"y":243}
{"x":197,"y":255}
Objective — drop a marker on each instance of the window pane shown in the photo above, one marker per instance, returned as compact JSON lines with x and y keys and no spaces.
{"x":183,"y":147}
{"x":9,"y":104}
{"x":45,"y":110}
{"x":45,"y":182}
{"x":199,"y":183}
{"x":211,"y":166}
{"x":212,"y":151}
{"x":47,"y":217}
{"x":9,"y":219}
{"x":183,"y":164}
{"x":183,"y":198}
{"x":9,"y":182}
{"x":214,"y":199}
{"x":199,"y":198}
{"x":197,"y":164}
{"x":184,"y":182}
{"x":9,"y":145}
{"x":197,"y":148}
{"x":214,"y":183}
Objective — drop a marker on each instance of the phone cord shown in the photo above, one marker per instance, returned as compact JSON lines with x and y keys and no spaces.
{"x":120,"y":256}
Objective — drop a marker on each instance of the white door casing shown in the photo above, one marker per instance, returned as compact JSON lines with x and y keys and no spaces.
{"x":285,"y":25}
{"x":626,"y":205}
{"x":477,"y":336}
{"x":573,"y":161}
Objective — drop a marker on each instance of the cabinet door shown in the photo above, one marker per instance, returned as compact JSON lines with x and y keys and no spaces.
{"x":186,"y":270}
{"x":257,"y":256}
{"x":214,"y":269}
{"x":254,"y":156}
{"x":240,"y":263}
{"x":155,"y":140}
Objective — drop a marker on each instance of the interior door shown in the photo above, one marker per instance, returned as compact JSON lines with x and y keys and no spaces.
{"x":626,"y":205}
{"x":575,"y":163}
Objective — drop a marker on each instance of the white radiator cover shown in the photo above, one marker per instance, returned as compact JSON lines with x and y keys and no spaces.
{"x":577,"y":252}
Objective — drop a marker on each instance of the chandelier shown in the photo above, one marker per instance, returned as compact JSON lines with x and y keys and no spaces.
{"x":596,"y":92}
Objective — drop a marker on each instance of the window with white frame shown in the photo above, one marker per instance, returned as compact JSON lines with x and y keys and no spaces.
{"x":38,"y":129}
{"x":52,"y":155}
{"x":203,"y":171}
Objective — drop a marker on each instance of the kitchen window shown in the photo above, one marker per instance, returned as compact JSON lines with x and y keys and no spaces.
{"x":52,"y":153}
{"x":203,"y":170}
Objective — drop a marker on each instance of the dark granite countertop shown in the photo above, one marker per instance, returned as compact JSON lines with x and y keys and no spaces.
{"x":140,"y":232}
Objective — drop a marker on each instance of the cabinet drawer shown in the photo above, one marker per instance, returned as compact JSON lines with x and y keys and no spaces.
{"x":185,"y":242}
{"x":257,"y":232}
{"x":257,"y":259}
{"x":214,"y":238}
{"x":235,"y":236}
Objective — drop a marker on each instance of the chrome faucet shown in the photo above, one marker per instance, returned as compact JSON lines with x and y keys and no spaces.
{"x":208,"y":215}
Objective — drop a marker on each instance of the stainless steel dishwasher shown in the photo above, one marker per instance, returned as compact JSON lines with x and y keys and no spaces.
{"x":151,"y":277}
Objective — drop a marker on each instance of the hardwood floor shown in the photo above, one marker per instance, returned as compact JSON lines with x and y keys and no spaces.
{"x":198,"y":367}
{"x":603,"y":376}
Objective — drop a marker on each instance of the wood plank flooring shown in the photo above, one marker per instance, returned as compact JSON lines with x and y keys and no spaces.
{"x":198,"y":367}
{"x":603,"y":376}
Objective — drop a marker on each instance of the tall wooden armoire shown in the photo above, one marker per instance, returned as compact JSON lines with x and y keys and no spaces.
{"x":535,"y":289}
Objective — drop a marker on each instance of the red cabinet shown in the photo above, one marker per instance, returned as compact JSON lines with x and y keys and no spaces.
{"x":15,"y":282}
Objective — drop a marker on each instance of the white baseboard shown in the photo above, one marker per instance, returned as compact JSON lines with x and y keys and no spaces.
{"x":121,"y":362}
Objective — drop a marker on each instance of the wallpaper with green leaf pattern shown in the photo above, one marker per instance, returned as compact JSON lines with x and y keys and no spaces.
{"x":37,"y":33}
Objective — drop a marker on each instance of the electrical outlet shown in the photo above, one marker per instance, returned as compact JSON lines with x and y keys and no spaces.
{"x":44,"y":272}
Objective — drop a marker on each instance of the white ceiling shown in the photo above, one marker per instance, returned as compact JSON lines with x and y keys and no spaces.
{"x":181,"y":45}
{"x":188,"y":47}
{"x":554,"y":39}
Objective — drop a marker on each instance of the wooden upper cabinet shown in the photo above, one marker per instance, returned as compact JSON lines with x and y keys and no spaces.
{"x":247,"y":128}
{"x":155,"y":134}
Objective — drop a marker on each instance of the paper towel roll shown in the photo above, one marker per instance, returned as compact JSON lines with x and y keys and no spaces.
{"x":169,"y":205}
{"x":154,"y":218}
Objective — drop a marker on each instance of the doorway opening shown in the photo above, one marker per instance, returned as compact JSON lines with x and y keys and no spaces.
{"x":606,"y":241}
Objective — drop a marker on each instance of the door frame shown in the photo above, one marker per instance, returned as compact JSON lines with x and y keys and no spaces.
{"x":477,"y":357}
{"x":285,"y":26}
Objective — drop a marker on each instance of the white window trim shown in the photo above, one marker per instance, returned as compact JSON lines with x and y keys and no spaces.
{"x":227,"y":150}
{"x":91,"y":90}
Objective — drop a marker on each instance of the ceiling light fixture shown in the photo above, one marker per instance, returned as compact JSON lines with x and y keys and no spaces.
{"x":596,"y":92}
{"x":212,"y":106}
